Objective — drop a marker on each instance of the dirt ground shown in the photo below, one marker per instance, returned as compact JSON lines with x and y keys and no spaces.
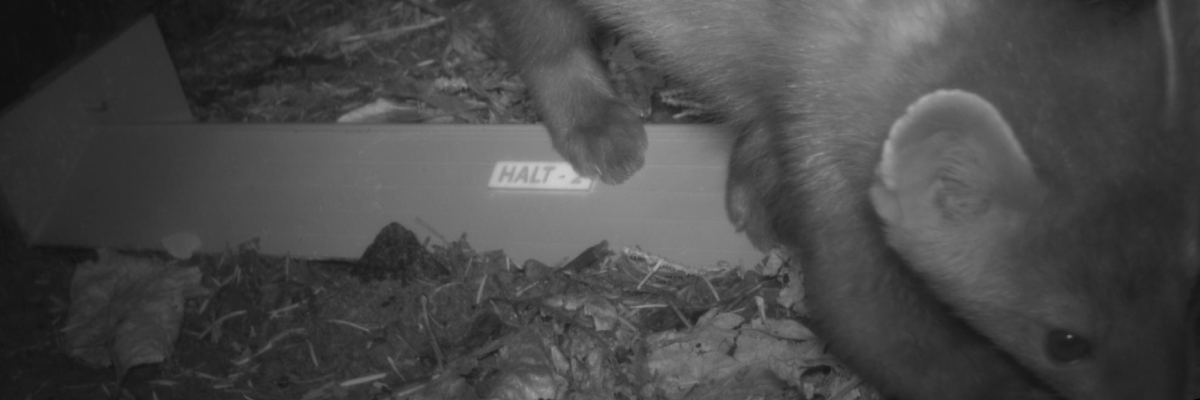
{"x":309,"y":61}
{"x":413,"y":319}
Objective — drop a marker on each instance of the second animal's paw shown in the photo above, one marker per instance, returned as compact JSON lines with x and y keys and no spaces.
{"x":609,"y":143}
{"x":746,"y":211}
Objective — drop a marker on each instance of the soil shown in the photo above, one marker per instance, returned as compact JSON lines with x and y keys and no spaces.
{"x":409,"y":319}
{"x":309,"y":61}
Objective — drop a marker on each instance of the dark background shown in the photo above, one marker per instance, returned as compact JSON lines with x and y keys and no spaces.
{"x":38,"y":38}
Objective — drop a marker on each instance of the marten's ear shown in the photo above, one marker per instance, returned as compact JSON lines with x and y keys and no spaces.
{"x":949,"y":160}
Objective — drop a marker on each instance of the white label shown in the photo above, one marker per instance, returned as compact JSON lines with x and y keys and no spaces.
{"x":536,"y":175}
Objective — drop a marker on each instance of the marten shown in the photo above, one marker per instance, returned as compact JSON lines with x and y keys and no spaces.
{"x":989,"y":199}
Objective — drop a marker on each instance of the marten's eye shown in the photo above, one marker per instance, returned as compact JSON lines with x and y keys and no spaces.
{"x":1067,"y":347}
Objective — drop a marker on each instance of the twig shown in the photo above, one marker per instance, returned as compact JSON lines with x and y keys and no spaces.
{"x":711,"y":288}
{"x":428,"y":227}
{"x":439,"y":288}
{"x":204,"y":305}
{"x":653,"y":270}
{"x":395,"y":31}
{"x":278,"y":312}
{"x":641,"y":306}
{"x":215,"y":327}
{"x":350,"y":324}
{"x":270,"y":345}
{"x":762,"y":308}
{"x":627,"y":324}
{"x":637,"y":253}
{"x":406,"y":390}
{"x":479,"y":291}
{"x":522,"y":291}
{"x":365,"y":379}
{"x":681,"y":317}
{"x":313,"y":354}
{"x":437,"y":350}
{"x":392,"y":363}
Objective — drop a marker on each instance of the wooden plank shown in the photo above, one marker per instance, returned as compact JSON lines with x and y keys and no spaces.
{"x":86,"y":161}
{"x":325,"y":190}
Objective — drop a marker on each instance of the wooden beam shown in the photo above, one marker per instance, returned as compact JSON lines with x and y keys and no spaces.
{"x":105,"y":155}
{"x":325,"y":190}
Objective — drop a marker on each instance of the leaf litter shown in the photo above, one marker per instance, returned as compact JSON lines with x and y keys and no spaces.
{"x":415,"y":320}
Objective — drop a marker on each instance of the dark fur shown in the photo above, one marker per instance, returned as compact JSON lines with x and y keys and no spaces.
{"x":812,"y":87}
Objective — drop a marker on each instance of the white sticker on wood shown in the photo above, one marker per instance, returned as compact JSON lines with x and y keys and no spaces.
{"x":537,"y":175}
